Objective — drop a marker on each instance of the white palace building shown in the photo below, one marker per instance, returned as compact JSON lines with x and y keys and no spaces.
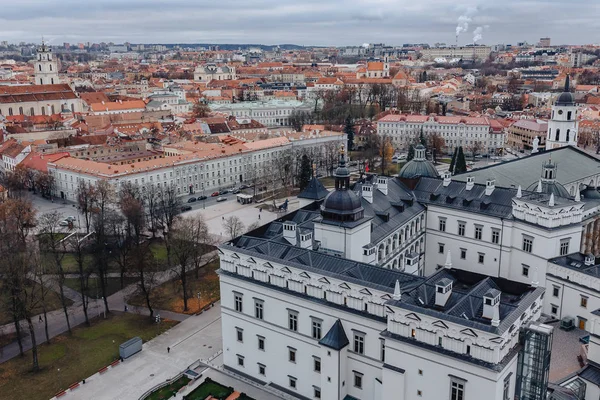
{"x":419,"y":286}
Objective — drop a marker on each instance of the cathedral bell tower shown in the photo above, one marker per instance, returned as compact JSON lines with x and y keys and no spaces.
{"x":562,"y":127}
{"x":46,"y":67}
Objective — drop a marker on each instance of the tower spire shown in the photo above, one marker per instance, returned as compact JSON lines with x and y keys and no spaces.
{"x":567,"y":83}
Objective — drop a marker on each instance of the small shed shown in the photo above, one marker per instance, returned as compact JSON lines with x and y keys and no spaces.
{"x":130,"y":347}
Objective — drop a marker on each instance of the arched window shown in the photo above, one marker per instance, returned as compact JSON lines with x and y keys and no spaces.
{"x":43,"y":110}
{"x":52,"y":108}
{"x":569,"y":116}
{"x":52,"y":81}
{"x":50,"y":67}
{"x":546,"y":174}
{"x":31,"y":111}
{"x":552,"y":114}
{"x":40,"y":67}
{"x":41,"y":81}
{"x":72,"y":107}
{"x":557,"y":135}
{"x":568,"y":134}
{"x":10,"y":112}
{"x":20,"y":110}
{"x":549,"y":133}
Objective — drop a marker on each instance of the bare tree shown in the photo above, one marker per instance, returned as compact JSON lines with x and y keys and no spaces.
{"x":86,"y":199}
{"x":54,"y":244}
{"x":233,"y":226}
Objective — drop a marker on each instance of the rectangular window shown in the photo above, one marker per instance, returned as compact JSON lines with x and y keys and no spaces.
{"x":441,"y":248}
{"x":238,"y":302}
{"x":461,"y":228}
{"x":478,"y":232}
{"x":258,"y":309}
{"x":240,"y":334}
{"x":555,"y":291}
{"x":316,"y":328}
{"x":317,"y":364}
{"x":583,"y":301}
{"x":291,"y":355}
{"x":553,"y":309}
{"x":317,"y":393}
{"x":293,"y":321}
{"x":527,"y":244}
{"x":457,"y":390}
{"x":240,"y":360}
{"x":480,"y":258}
{"x":292,"y":382}
{"x":506,"y":390}
{"x":495,"y":236}
{"x":463,"y":254}
{"x":358,"y":380}
{"x":359,"y":343}
{"x":261,"y":343}
{"x":443,"y":224}
{"x":261,"y":369}
{"x":564,"y":247}
{"x":525,"y":270}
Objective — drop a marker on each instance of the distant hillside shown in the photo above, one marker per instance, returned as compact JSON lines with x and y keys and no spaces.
{"x":233,"y":46}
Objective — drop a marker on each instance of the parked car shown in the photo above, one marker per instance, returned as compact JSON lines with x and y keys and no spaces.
{"x":191,"y":200}
{"x":235,"y":191}
{"x":220,"y":199}
{"x":71,"y":218}
{"x":64,"y":223}
{"x":200,"y":198}
{"x":244,"y":186}
{"x":185,"y":208}
{"x":224,"y":191}
{"x":215,"y":194}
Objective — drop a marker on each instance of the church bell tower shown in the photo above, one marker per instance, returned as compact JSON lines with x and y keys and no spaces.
{"x":562,"y":127}
{"x":46,"y":67}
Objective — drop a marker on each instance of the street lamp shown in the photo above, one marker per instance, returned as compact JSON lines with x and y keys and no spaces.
{"x":198,"y":296}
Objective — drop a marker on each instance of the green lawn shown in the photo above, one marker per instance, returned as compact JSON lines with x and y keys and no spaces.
{"x":169,"y":391}
{"x":52,"y":303}
{"x":69,"y":262}
{"x":113,"y":285}
{"x":69,"y":359}
{"x":168,"y":296}
{"x":209,"y":387}
{"x":158,"y":249}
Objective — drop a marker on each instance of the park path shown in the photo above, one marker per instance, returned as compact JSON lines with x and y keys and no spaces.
{"x":57,"y":323}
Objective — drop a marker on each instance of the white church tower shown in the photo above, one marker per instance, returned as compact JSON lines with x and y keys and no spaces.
{"x":46,"y":67}
{"x":562,"y":128}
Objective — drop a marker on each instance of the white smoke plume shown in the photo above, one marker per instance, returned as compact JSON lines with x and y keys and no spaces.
{"x":463,"y":24}
{"x":478,"y":33}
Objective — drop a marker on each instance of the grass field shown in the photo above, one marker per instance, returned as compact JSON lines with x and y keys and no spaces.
{"x":113,"y":285}
{"x":209,"y":387}
{"x":69,"y":359}
{"x":158,"y":249}
{"x":169,"y":391}
{"x":52,"y":303}
{"x":168,"y":296}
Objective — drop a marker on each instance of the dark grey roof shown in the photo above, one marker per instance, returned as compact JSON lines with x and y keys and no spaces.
{"x":590,"y":193}
{"x":591,"y":373}
{"x":556,"y":392}
{"x":336,"y":337}
{"x":565,"y":99}
{"x":389,"y":212}
{"x":455,"y":195}
{"x":444,"y":282}
{"x":549,"y":187}
{"x":416,"y":168}
{"x":465,"y":305}
{"x":576,"y":262}
{"x":314,"y":191}
{"x":573,"y":165}
{"x":342,"y":202}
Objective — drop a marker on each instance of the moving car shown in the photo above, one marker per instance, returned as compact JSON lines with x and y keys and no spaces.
{"x":185,"y":208}
{"x":191,"y":200}
{"x":220,"y":199}
{"x":202,"y":198}
{"x":215,"y":194}
{"x":224,"y":191}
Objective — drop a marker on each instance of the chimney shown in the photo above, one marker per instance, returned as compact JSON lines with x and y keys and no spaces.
{"x":447,"y":178}
{"x":367,"y":192}
{"x":289,"y":232}
{"x":590,"y":260}
{"x":448,"y":263}
{"x":470,"y":183}
{"x":382,"y":184}
{"x":490,"y":185}
{"x":443,"y":291}
{"x":491,"y":306}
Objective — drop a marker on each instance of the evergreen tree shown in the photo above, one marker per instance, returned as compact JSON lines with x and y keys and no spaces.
{"x":349,"y":131}
{"x":411,"y":153}
{"x":422,"y":138}
{"x":461,"y":163}
{"x":451,"y":169}
{"x":305,"y":172}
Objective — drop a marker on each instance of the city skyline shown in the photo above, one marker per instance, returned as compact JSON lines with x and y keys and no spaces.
{"x":311,"y":23}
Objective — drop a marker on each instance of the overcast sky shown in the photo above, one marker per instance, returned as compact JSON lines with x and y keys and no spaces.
{"x":303,"y":22}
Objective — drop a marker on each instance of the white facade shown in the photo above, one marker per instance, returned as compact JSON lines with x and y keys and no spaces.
{"x":209,"y":72}
{"x":269,"y":113}
{"x":562,"y":127}
{"x":46,"y":67}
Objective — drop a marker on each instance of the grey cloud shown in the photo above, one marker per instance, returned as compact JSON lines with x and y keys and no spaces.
{"x":311,"y":22}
